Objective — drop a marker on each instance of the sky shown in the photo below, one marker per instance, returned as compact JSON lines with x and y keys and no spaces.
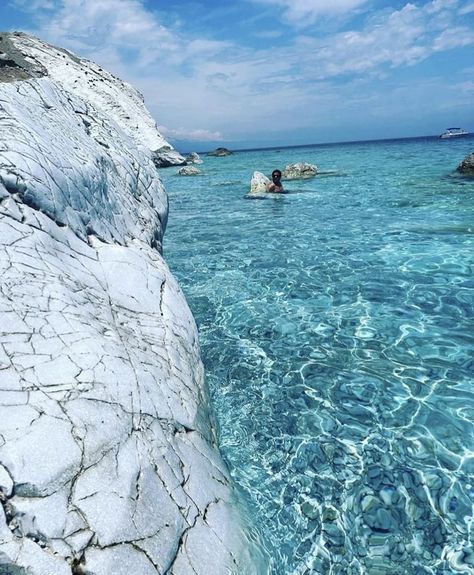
{"x":260,"y":73}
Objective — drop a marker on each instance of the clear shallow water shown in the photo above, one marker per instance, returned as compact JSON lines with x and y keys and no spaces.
{"x":337,"y":333}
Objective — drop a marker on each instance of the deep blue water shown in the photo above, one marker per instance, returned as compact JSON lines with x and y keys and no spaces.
{"x":337,"y":333}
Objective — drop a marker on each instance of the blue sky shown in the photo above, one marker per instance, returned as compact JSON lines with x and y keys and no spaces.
{"x":249,"y":73}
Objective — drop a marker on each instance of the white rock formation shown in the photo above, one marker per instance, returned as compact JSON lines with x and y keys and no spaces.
{"x":193,"y":158}
{"x":108,"y":462}
{"x":98,"y":88}
{"x":167,"y":156}
{"x":189,"y":171}
{"x":299,"y":171}
{"x":258,"y":183}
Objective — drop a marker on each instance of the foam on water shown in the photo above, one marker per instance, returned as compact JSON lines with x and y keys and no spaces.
{"x":336,"y":327}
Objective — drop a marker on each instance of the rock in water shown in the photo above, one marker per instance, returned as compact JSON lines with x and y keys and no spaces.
{"x":258,"y":183}
{"x":298,"y":171}
{"x":220,"y":152}
{"x":466,"y":167}
{"x":167,"y":156}
{"x":107,"y":454}
{"x":189,"y":171}
{"x":193,"y":158}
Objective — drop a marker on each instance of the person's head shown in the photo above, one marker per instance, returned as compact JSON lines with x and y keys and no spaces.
{"x":276,"y":175}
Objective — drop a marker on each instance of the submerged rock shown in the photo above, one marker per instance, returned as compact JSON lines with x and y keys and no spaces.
{"x":299,"y":171}
{"x":466,"y":167}
{"x":108,"y":459}
{"x":220,"y":152}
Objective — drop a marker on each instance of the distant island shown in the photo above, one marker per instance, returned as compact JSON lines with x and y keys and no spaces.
{"x":220,"y":152}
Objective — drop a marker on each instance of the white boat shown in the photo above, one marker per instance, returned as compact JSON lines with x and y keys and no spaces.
{"x":454,"y":133}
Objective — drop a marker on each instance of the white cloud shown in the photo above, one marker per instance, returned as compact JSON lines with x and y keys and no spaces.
{"x":202,"y":47}
{"x":36,"y":4}
{"x":401,"y":38}
{"x":125,"y":35}
{"x":108,"y":27}
{"x":466,"y":87}
{"x":304,"y":12}
{"x":230,"y":88}
{"x":439,"y":5}
{"x":190,"y":135}
{"x":454,"y":37}
{"x":467,"y":9}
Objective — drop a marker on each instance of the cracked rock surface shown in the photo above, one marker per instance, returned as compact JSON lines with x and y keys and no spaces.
{"x":108,"y":463}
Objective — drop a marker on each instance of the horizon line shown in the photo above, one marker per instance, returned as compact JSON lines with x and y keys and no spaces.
{"x":342,"y":142}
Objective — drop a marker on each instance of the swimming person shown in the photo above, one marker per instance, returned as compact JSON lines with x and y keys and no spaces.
{"x":275,"y":185}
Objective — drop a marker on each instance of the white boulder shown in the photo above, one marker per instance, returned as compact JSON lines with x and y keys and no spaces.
{"x":189,"y":171}
{"x":193,"y":158}
{"x":258,"y":183}
{"x":167,"y":156}
{"x":108,"y":460}
{"x":298,"y":171}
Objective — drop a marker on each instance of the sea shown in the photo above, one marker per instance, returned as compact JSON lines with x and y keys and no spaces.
{"x":336,"y":325}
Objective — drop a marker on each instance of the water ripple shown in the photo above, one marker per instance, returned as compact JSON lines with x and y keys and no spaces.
{"x":337,"y":334}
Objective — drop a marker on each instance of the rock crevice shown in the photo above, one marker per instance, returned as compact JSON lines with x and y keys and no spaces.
{"x":108,"y":459}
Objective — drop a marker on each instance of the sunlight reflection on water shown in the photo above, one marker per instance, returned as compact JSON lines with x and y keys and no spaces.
{"x":336,"y":326}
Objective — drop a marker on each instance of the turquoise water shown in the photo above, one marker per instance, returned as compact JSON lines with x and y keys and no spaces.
{"x":337,"y":333}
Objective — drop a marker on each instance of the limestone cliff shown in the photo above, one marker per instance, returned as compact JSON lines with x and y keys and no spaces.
{"x":108,"y":462}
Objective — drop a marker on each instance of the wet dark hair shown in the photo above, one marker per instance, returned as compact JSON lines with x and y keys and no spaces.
{"x":275,"y":172}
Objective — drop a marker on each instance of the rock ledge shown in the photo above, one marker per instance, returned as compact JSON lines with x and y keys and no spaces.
{"x":108,"y":457}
